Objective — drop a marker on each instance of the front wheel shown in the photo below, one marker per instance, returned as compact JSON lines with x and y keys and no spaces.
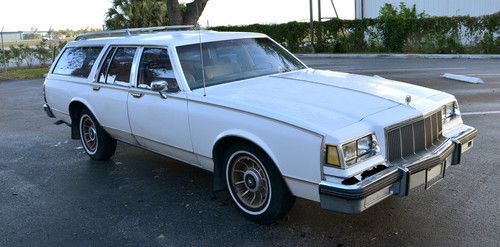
{"x":256,"y":185}
{"x":98,"y":144}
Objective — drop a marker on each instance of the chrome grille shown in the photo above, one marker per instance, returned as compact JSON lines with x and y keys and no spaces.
{"x":414,"y":137}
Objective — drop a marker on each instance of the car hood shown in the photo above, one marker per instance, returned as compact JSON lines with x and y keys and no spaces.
{"x":318,"y":99}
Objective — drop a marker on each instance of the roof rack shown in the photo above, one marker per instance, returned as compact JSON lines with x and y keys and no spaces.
{"x":131,"y":31}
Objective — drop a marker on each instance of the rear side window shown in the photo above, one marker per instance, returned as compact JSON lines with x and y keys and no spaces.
{"x":77,"y":61}
{"x":117,"y":65}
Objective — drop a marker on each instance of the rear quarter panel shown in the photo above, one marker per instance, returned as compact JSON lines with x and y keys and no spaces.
{"x":60,"y":91}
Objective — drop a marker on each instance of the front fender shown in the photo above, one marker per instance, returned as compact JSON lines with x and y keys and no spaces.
{"x":249,"y":137}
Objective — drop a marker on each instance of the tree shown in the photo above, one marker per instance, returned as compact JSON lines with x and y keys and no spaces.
{"x":136,"y":13}
{"x":148,"y":13}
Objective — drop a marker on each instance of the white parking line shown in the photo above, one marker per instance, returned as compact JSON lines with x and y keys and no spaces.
{"x":483,"y":74}
{"x":480,"y":113}
{"x":388,"y":70}
{"x":403,"y":70}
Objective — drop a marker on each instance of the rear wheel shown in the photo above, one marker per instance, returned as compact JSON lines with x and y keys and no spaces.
{"x":256,"y":185}
{"x":98,"y":144}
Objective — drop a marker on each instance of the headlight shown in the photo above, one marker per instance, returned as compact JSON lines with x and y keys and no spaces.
{"x":349,"y":151}
{"x":352,"y":152}
{"x":449,"y":111}
{"x":365,"y":145}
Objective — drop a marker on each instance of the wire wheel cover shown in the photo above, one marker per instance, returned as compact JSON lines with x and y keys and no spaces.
{"x":89,"y":133}
{"x":250,"y":182}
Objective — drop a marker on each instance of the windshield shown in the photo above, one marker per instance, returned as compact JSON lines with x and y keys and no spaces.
{"x":232,"y":60}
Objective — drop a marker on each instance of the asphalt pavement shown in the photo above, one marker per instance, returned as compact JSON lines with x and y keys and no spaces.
{"x":52,"y":194}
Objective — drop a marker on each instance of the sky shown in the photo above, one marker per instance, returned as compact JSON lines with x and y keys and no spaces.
{"x":23,"y":15}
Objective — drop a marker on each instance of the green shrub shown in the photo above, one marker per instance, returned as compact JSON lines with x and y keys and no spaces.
{"x":397,"y":25}
{"x":43,"y":53}
{"x":5,"y":57}
{"x":397,"y":30}
{"x":16,"y":54}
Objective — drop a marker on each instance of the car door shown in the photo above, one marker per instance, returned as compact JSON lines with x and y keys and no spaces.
{"x":111,"y":90}
{"x":159,"y":123}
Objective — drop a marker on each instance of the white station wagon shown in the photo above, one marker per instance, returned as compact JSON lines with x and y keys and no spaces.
{"x":268,"y":127}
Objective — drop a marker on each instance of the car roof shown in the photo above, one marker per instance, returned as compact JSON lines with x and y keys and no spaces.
{"x":169,"y":38}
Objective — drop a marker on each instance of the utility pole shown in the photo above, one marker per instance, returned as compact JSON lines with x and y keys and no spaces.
{"x":320,"y":28}
{"x":319,"y":10}
{"x":311,"y":25}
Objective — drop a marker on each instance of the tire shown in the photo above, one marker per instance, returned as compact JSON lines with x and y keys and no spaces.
{"x":255,"y":184}
{"x":98,"y":144}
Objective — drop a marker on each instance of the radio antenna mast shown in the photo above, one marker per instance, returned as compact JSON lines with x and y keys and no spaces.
{"x":201,"y":59}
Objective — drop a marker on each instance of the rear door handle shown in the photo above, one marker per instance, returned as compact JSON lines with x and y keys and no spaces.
{"x":136,"y":94}
{"x":96,"y":87}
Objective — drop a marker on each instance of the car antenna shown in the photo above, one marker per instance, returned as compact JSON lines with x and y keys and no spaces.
{"x":202,"y":65}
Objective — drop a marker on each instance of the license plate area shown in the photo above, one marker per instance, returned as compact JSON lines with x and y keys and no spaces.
{"x":434,"y":175}
{"x":430,"y":176}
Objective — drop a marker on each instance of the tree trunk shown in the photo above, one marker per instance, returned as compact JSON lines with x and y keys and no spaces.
{"x":174,"y":13}
{"x":193,"y":11}
{"x":189,"y":17}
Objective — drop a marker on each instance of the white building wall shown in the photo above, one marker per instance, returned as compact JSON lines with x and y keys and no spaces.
{"x":371,"y":8}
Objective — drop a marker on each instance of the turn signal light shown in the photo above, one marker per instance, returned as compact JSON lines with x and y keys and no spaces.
{"x":332,"y":155}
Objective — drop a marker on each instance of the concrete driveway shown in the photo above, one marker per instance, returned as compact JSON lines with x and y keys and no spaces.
{"x":52,"y":194}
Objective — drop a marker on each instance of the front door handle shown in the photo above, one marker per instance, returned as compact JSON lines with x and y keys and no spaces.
{"x":136,"y":94}
{"x":96,"y":87}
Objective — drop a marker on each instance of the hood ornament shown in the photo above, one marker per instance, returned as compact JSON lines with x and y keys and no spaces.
{"x":408,"y":99}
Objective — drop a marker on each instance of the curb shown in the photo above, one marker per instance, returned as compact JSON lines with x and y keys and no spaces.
{"x":426,"y":56}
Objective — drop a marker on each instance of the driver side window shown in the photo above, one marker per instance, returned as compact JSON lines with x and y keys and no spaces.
{"x":154,"y":66}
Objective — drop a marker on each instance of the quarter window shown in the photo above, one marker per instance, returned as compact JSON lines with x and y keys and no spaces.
{"x":117,"y":65}
{"x":155,"y":65}
{"x":77,"y":61}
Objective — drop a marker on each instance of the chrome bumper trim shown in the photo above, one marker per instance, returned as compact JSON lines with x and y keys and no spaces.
{"x":364,"y":188}
{"x":394,"y":180}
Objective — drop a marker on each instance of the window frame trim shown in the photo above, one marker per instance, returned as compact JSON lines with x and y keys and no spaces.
{"x":76,"y":47}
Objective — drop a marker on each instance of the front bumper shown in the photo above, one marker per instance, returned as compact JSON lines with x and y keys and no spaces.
{"x":398,"y":179}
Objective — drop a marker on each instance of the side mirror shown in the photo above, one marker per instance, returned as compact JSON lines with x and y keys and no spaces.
{"x":158,"y":86}
{"x":164,"y":87}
